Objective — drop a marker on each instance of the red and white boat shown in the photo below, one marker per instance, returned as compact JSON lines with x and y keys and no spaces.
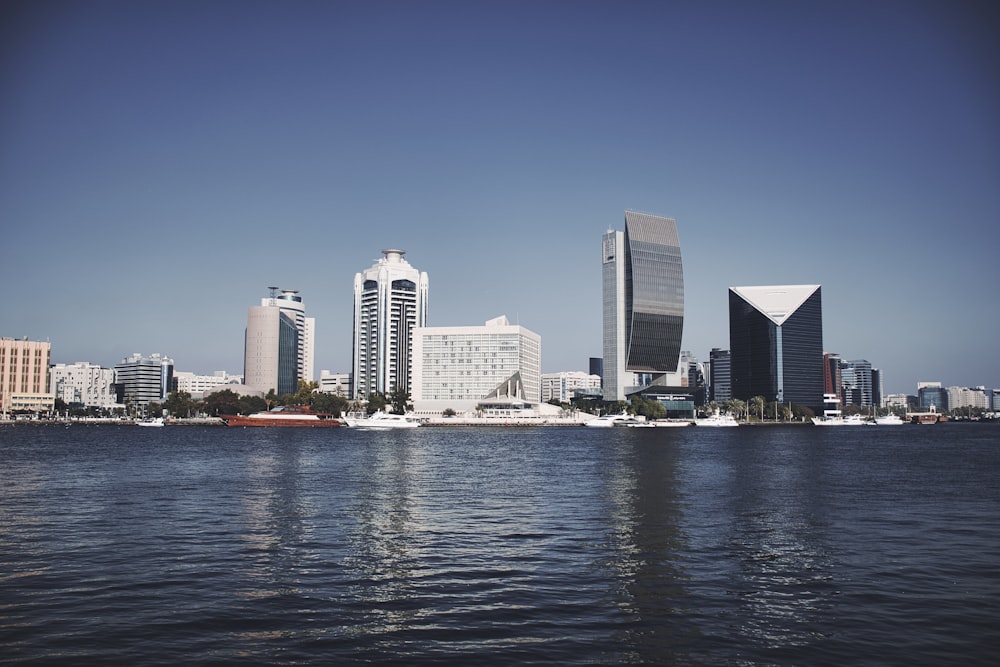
{"x":298,"y":416}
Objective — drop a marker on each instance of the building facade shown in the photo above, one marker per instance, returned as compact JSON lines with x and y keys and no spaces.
{"x":390,"y":300}
{"x":832,"y":381}
{"x":565,"y":386}
{"x":24,"y":376}
{"x":142,"y":380}
{"x":271,"y":351}
{"x":335,"y":383}
{"x":931,"y":395}
{"x":776,"y":343}
{"x":200,"y":385}
{"x":291,"y":304}
{"x":460,"y":367}
{"x":720,"y":375}
{"x":856,"y":381}
{"x":643,"y":302}
{"x":83,"y":384}
{"x":968,"y":397}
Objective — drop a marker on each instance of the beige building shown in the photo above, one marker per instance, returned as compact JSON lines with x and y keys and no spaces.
{"x":24,"y":376}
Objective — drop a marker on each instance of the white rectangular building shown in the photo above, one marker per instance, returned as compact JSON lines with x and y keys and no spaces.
{"x":563,"y":386}
{"x":199,"y":385}
{"x":459,"y":368}
{"x":84,"y":384}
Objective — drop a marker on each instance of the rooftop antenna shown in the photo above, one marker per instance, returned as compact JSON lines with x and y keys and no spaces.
{"x":274,"y":291}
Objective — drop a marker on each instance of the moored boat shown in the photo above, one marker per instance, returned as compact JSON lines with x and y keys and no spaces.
{"x":607,"y":421}
{"x":832,"y":416}
{"x":382,"y":421}
{"x":717,"y":420}
{"x":154,"y":422}
{"x":299,"y":416}
{"x":889,"y":420}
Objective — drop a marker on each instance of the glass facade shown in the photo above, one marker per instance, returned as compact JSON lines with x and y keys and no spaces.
{"x":782,"y":362}
{"x":643,"y":300}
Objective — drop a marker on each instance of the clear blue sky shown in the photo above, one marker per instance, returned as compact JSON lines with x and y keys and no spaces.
{"x":163,"y":162}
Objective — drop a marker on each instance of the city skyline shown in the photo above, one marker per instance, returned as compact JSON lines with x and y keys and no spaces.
{"x":164,"y":162}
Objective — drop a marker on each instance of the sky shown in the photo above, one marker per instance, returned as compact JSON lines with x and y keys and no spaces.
{"x":162,"y":163}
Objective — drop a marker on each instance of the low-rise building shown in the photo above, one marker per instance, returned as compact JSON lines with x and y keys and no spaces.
{"x":566,"y":385}
{"x":199,"y":385}
{"x":83,"y":383}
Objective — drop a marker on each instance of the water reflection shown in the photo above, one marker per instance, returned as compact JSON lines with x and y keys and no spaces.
{"x":782,"y":564}
{"x":646,"y":541}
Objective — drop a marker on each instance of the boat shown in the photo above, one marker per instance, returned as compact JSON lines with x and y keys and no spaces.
{"x":717,"y":420}
{"x":667,"y":423}
{"x":151,"y":421}
{"x":889,"y":420}
{"x":382,"y":421}
{"x":832,"y":416}
{"x":298,"y":416}
{"x":607,"y":421}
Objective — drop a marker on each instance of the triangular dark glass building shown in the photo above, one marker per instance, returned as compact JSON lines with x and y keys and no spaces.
{"x":776,"y":343}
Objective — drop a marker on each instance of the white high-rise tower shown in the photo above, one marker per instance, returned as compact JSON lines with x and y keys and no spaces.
{"x":390,"y":299}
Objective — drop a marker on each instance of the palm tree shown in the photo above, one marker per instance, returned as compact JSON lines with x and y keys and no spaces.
{"x":757,"y":404}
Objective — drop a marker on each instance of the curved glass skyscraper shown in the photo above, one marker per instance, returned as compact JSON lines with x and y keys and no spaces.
{"x":643,"y":286}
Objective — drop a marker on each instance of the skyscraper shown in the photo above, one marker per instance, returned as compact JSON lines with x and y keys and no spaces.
{"x":390,"y":299}
{"x":291,"y":304}
{"x":643,"y":302}
{"x":776,"y":343}
{"x":271,"y":350}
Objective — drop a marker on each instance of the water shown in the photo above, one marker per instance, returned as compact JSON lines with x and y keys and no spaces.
{"x":570,"y":546}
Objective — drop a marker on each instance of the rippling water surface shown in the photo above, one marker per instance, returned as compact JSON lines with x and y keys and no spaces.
{"x":776,"y":545}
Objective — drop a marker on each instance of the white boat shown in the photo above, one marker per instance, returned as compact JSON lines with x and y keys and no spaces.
{"x":889,"y":420}
{"x":667,"y":423}
{"x":382,"y":421}
{"x":717,"y":420}
{"x":152,"y":421}
{"x":839,"y":420}
{"x":607,"y":421}
{"x":832,"y":416}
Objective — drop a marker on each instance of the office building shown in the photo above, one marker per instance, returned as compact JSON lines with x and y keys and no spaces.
{"x":290,"y":303}
{"x":141,"y":380}
{"x":832,"y":381}
{"x":460,"y":368}
{"x":24,"y":376}
{"x":643,"y":303}
{"x":776,"y":343}
{"x":83,"y":384}
{"x":390,"y":300}
{"x":271,"y":350}
{"x":335,"y":383}
{"x":567,"y":385}
{"x":200,"y":385}
{"x":721,"y":388}
{"x":931,"y":395}
{"x":856,"y":382}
